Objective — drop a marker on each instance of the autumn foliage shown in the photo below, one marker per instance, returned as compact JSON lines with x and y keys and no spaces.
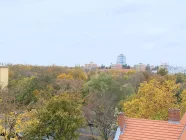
{"x":153,"y":100}
{"x":47,"y":100}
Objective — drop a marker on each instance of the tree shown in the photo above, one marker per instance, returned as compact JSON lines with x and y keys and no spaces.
{"x":104,"y":83}
{"x":25,"y":119}
{"x":65,"y":76}
{"x":180,"y":78}
{"x":155,"y":68}
{"x":78,"y":73}
{"x":102,"y":94}
{"x":152,"y":100}
{"x":125,"y":66}
{"x":100,"y":112}
{"x":162,"y":71}
{"x":183,"y":102}
{"x":102,"y":66}
{"x":67,"y":83}
{"x":148,"y":67}
{"x":24,"y":90}
{"x":8,"y":109}
{"x":61,"y":117}
{"x":135,"y":80}
{"x":72,"y":81}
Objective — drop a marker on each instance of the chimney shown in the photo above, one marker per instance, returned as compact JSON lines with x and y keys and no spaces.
{"x":174,"y":116}
{"x":121,"y":121}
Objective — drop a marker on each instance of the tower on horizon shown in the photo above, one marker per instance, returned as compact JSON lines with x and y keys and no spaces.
{"x":121,"y":59}
{"x":3,"y":76}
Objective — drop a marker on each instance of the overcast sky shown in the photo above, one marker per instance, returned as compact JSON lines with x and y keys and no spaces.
{"x":69,"y":32}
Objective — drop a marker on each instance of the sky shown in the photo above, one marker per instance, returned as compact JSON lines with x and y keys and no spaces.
{"x":70,"y":32}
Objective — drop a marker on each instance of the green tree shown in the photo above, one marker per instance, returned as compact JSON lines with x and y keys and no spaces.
{"x":102,"y":66}
{"x":103,"y":94}
{"x":148,"y":67}
{"x":125,"y":66}
{"x":180,"y":78}
{"x":23,"y":89}
{"x":102,"y":83}
{"x":61,"y":117}
{"x":162,"y":71}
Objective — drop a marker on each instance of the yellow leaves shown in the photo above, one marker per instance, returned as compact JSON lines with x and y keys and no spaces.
{"x":25,"y":120}
{"x":152,"y":100}
{"x":7,"y":123}
{"x":65,"y":76}
{"x":78,"y":73}
{"x":115,"y":73}
{"x":21,"y":121}
{"x":73,"y":74}
{"x":131,"y":107}
{"x":183,"y":95}
{"x":130,"y":72}
{"x":171,"y":85}
{"x":69,"y":85}
{"x":1,"y":127}
{"x":183,"y":102}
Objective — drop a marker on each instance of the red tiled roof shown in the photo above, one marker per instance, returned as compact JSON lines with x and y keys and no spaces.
{"x":183,"y":136}
{"x":141,"y":129}
{"x":183,"y":120}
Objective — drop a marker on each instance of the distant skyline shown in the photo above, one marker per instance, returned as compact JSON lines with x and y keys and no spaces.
{"x":70,"y":32}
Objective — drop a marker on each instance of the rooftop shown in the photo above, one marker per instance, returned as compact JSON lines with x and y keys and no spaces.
{"x":3,"y":66}
{"x":143,"y":129}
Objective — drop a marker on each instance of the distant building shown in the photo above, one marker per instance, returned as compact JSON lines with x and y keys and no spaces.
{"x":91,"y":66}
{"x":173,"y":69}
{"x":140,"y":67}
{"x":164,"y":66}
{"x":154,"y":71}
{"x":3,"y":76}
{"x":116,"y":66}
{"x":121,"y":59}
